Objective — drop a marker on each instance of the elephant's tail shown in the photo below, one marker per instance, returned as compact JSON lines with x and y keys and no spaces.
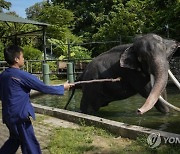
{"x":73,"y":89}
{"x":69,"y":100}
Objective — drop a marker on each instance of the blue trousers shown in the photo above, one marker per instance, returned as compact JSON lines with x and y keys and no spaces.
{"x":21,"y":134}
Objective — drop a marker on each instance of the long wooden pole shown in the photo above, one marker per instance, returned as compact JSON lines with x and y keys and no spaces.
{"x":97,"y":80}
{"x":91,"y":81}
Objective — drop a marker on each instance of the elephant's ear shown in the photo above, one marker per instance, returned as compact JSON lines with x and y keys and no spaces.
{"x":129,"y":59}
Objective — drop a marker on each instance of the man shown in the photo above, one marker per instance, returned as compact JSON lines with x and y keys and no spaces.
{"x":15,"y":86}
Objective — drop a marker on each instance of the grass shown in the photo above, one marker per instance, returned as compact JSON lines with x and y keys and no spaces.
{"x":70,"y":141}
{"x":93,"y":140}
{"x":77,"y":141}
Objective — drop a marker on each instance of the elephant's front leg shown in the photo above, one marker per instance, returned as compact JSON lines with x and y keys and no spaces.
{"x":92,"y":98}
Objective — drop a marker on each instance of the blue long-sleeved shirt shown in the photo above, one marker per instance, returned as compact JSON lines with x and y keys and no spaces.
{"x":15,"y":87}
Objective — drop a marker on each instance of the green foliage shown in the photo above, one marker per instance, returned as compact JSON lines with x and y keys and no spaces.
{"x":166,"y":18}
{"x":79,"y":52}
{"x":90,"y":15}
{"x":4,"y":5}
{"x":33,"y":40}
{"x":34,"y":11}
{"x":11,"y":29}
{"x":53,"y":68}
{"x":61,"y":50}
{"x":8,"y":30}
{"x":31,"y":53}
{"x":1,"y":51}
{"x":59,"y":18}
{"x":121,"y":20}
{"x":124,"y":22}
{"x":97,"y":21}
{"x":109,"y":20}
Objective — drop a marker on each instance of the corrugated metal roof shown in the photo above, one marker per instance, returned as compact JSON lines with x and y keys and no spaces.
{"x":10,"y":18}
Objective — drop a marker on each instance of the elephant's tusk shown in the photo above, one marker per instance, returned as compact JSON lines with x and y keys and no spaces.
{"x":146,"y":106}
{"x":141,"y":110}
{"x":152,"y":80}
{"x":173,"y":78}
{"x":168,"y":104}
{"x":160,"y":97}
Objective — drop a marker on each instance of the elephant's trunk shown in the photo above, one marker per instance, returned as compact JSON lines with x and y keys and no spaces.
{"x":160,"y":72}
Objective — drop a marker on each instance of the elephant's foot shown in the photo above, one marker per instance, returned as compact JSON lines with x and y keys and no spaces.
{"x":88,"y":109}
{"x":162,"y":108}
{"x":88,"y":112}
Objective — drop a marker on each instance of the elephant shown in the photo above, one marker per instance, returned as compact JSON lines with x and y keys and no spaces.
{"x":142,"y":68}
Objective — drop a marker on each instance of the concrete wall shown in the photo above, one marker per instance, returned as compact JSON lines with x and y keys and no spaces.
{"x":118,"y":128}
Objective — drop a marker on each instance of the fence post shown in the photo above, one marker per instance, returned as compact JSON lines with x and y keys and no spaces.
{"x":27,"y":66}
{"x":70,"y":72}
{"x":31,"y":67}
{"x":45,"y":73}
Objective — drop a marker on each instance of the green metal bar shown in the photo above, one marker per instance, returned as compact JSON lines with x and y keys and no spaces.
{"x":44,"y":43}
{"x":70,"y":72}
{"x":45,"y":67}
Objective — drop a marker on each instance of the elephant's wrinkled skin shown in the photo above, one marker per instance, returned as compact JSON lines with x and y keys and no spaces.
{"x":134,"y":63}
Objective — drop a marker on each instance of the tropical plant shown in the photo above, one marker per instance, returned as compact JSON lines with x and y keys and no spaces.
{"x":31,"y":53}
{"x":76,"y":51}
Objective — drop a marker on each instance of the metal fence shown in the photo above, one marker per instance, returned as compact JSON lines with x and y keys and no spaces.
{"x":58,"y":68}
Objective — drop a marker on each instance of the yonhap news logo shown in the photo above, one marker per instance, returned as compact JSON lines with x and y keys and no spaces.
{"x":155,"y":139}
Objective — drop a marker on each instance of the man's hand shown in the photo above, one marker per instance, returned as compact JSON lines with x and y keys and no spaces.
{"x":67,"y":85}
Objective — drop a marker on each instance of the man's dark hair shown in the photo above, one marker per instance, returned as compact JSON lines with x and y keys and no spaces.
{"x":12,"y":52}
